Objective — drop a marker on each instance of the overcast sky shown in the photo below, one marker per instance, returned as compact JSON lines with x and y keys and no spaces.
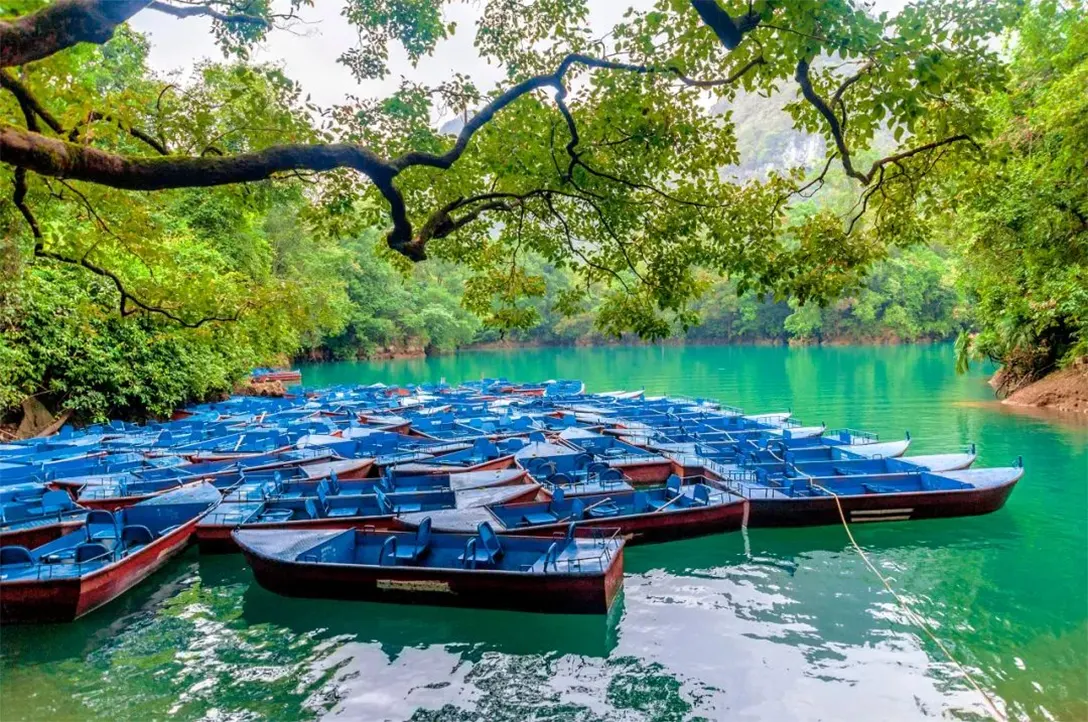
{"x":309,"y":55}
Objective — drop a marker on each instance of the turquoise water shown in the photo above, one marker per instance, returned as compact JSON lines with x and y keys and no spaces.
{"x":772,"y":625}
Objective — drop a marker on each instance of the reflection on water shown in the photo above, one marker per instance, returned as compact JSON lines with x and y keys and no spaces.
{"x":768,"y":625}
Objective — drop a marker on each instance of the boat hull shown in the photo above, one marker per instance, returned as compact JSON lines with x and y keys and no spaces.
{"x":650,"y":473}
{"x":422,"y":467}
{"x":38,"y":535}
{"x":907,"y":506}
{"x":485,"y":589}
{"x":685,"y":523}
{"x":64,"y":600}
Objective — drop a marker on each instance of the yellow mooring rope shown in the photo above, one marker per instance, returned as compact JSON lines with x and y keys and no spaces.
{"x":996,"y":713}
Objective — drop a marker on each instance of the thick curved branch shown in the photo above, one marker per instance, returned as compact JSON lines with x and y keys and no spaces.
{"x":836,"y":129}
{"x":824,"y":109}
{"x":53,"y":157}
{"x":61,"y":25}
{"x":551,"y":80}
{"x":730,"y":31}
{"x":65,"y":23}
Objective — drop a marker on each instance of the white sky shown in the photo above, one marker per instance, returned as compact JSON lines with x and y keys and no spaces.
{"x":309,"y":56}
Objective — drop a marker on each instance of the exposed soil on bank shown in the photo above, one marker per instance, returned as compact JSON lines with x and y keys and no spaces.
{"x":1065,"y":390}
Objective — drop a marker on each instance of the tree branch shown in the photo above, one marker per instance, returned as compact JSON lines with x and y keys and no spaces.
{"x":729,"y":31}
{"x":61,"y":25}
{"x":206,"y":11}
{"x":835,"y":127}
{"x":28,"y":101}
{"x":157,"y":145}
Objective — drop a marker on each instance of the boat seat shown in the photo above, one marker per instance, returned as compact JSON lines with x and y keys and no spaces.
{"x":55,"y":502}
{"x":878,"y":489}
{"x":322,"y":505}
{"x":700,"y":495}
{"x":412,"y":552}
{"x":482,"y":549}
{"x":101,"y":526}
{"x":90,"y":551}
{"x":313,"y":510}
{"x":15,"y":555}
{"x":533,"y":518}
{"x":548,"y":516}
{"x":134,"y":535}
{"x":843,"y":472}
{"x":611,"y":474}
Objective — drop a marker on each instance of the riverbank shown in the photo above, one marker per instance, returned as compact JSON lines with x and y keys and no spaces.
{"x":1065,"y":390}
{"x":416,"y":351}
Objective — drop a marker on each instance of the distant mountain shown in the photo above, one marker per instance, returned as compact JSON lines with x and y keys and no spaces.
{"x":452,"y":127}
{"x":766,"y":138}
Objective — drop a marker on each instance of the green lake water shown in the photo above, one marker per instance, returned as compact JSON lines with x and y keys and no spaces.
{"x":768,"y":625}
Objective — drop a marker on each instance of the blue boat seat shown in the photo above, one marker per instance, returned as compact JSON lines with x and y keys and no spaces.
{"x":577,"y":510}
{"x":611,"y":474}
{"x":531,"y":518}
{"x":91,"y":551}
{"x":700,"y":496}
{"x":55,"y":502}
{"x":673,"y":488}
{"x":101,"y":526}
{"x":561,"y":478}
{"x":388,"y":552}
{"x":15,"y":555}
{"x":546,"y":516}
{"x":640,"y":503}
{"x":323,"y":503}
{"x":878,"y":489}
{"x":410,"y":553}
{"x":135,"y":535}
{"x":483,"y":549}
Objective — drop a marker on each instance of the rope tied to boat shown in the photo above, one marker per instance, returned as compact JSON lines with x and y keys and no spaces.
{"x":916,"y":618}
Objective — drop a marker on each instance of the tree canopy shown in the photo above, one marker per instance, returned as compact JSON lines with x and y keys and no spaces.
{"x":599,"y":153}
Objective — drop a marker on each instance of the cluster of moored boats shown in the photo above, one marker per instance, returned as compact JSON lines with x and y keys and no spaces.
{"x":489,"y":494}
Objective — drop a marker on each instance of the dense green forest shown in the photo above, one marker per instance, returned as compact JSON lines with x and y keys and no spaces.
{"x":164,"y":236}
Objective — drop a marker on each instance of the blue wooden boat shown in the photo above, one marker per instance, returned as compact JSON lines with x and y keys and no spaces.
{"x":483,"y":455}
{"x":648,"y":515}
{"x":87,"y":568}
{"x":567,"y":574}
{"x":638,"y":465}
{"x":377,"y":509}
{"x":33,"y":514}
{"x":803,"y":500}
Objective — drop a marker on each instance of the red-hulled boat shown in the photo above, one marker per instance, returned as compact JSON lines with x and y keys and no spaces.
{"x":642,"y":516}
{"x":89,"y":567}
{"x":811,"y":501}
{"x":213,"y":534}
{"x":568,"y":574}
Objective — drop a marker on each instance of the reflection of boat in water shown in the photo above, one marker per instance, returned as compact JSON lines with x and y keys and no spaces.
{"x":396,"y":627}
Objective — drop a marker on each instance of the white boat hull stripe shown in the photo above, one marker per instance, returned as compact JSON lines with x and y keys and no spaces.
{"x":860,"y":512}
{"x":863,"y":519}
